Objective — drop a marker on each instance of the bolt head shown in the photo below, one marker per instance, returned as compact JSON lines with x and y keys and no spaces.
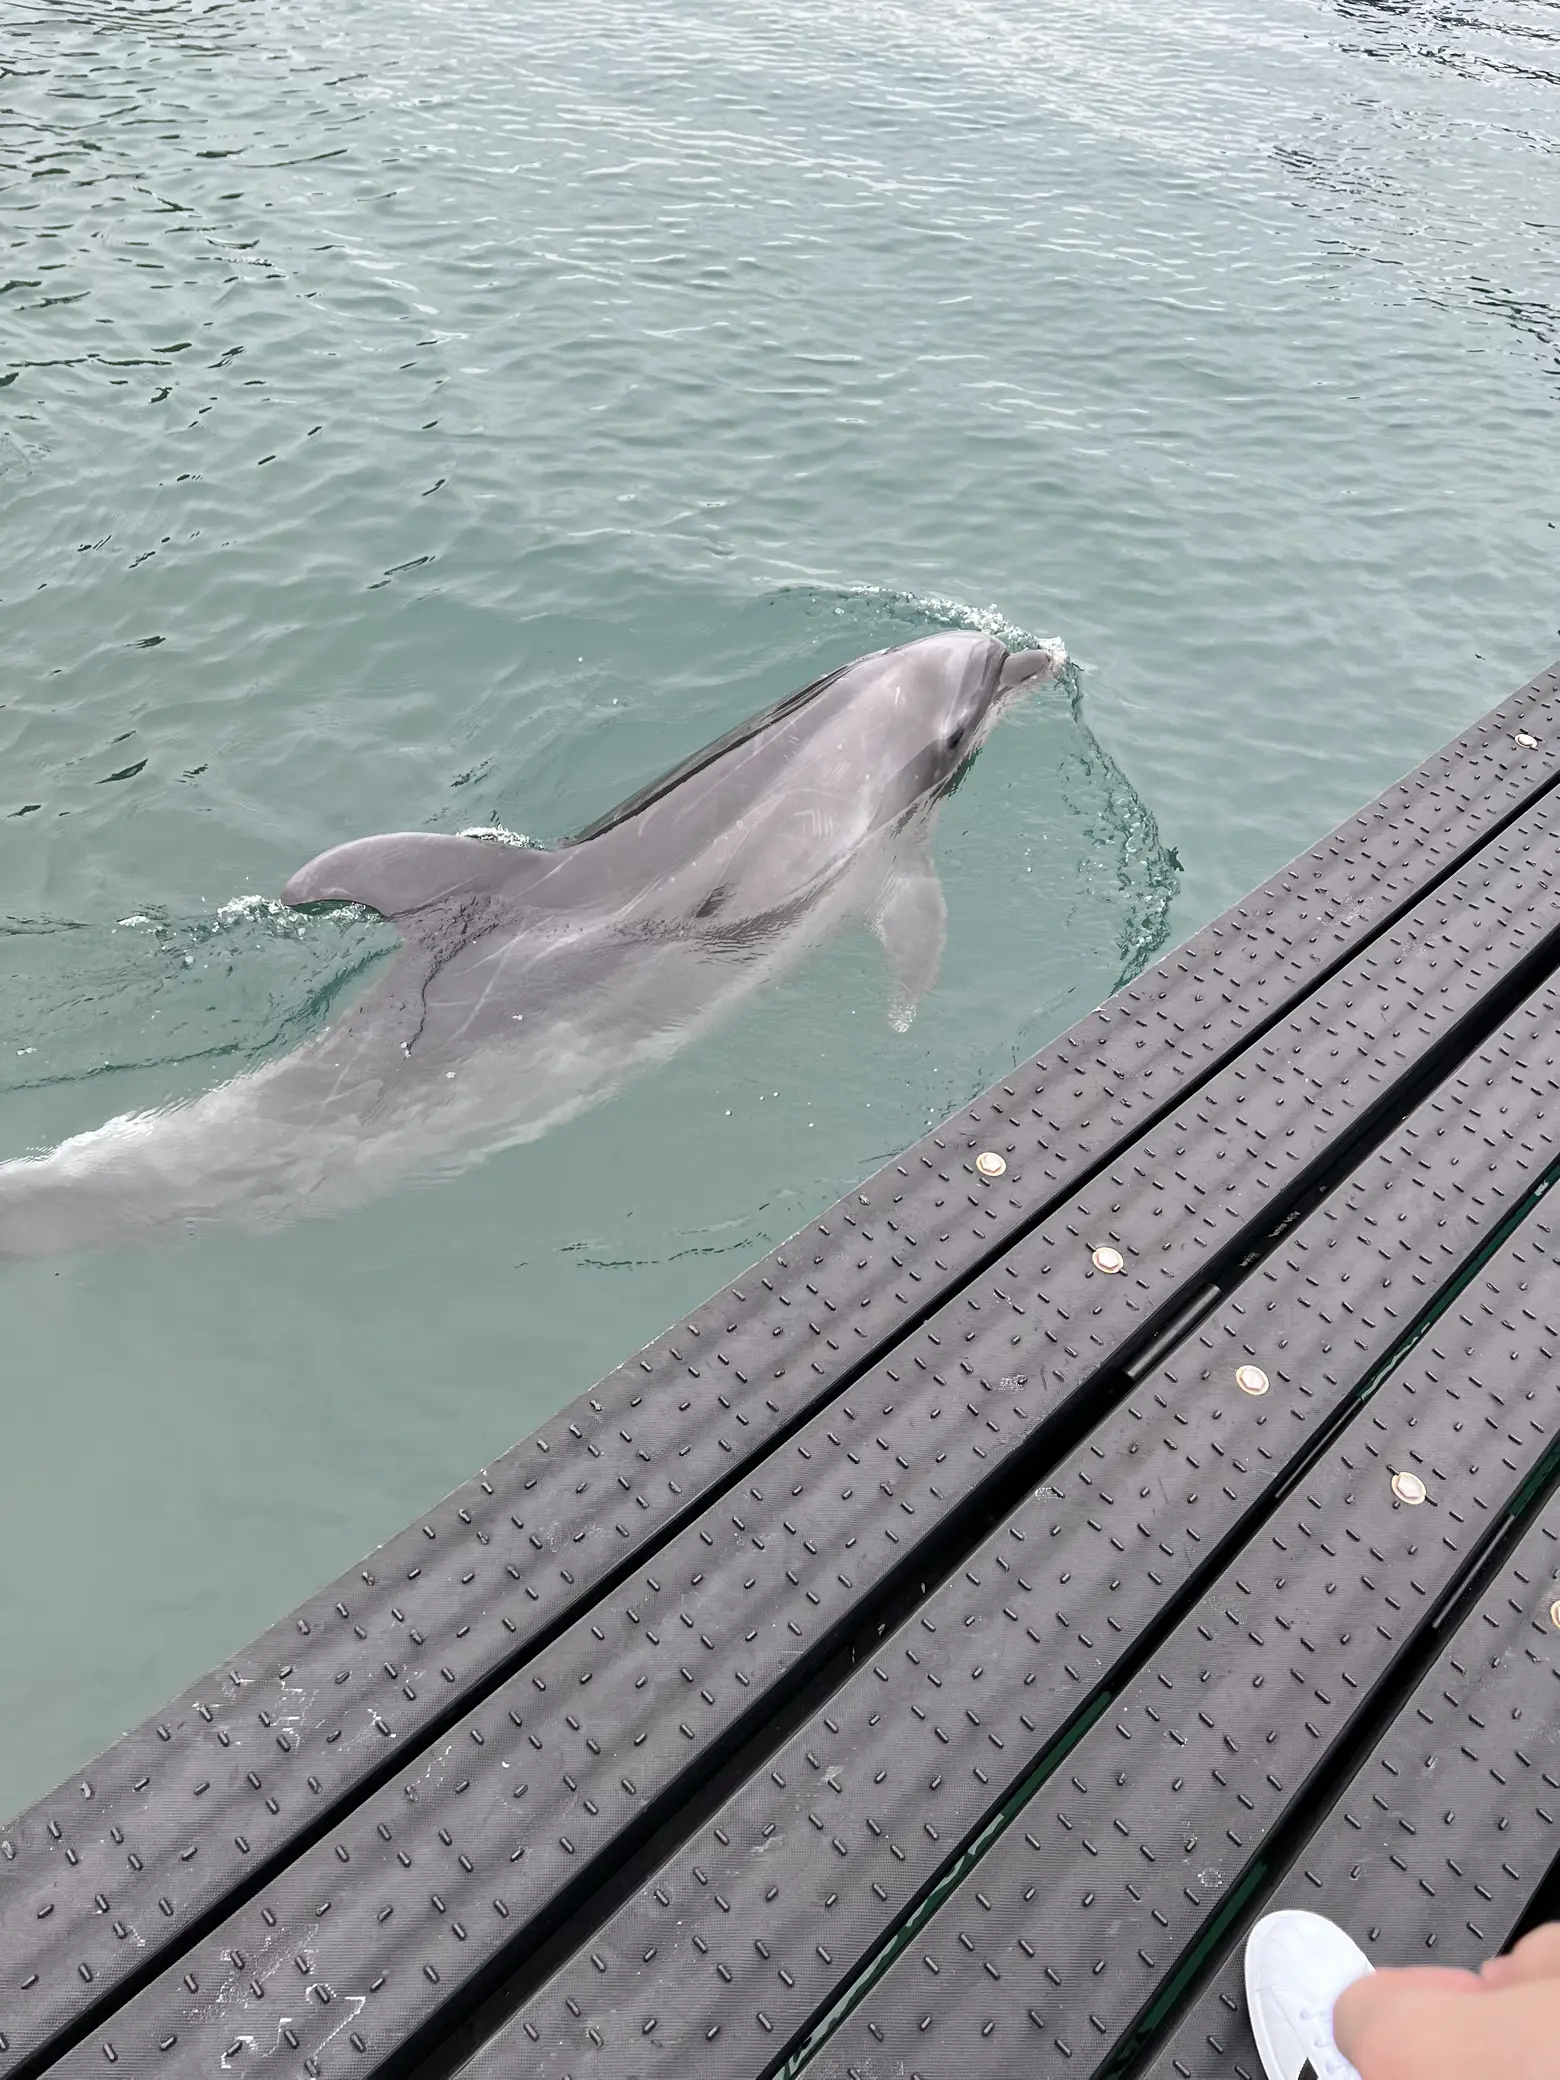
{"x":990,"y":1165}
{"x":1554,"y":1614}
{"x":1526,"y":739}
{"x":1408,"y":1487}
{"x":1108,"y":1260}
{"x":1251,"y":1379}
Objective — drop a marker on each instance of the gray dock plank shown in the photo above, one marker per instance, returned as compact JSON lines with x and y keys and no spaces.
{"x":1069,"y":1927}
{"x":617,"y":1714}
{"x":1435,"y":1850}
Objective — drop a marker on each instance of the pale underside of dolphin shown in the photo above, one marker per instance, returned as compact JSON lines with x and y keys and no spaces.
{"x":531,"y":983}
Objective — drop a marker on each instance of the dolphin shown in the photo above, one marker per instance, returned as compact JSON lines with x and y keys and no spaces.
{"x":531,"y":982}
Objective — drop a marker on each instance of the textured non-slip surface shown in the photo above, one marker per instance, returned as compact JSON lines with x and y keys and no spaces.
{"x":1433,"y":1852}
{"x":1076,"y":1917}
{"x":729,"y":1948}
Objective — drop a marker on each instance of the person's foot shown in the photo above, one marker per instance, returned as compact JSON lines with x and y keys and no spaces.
{"x":1297,"y":1964}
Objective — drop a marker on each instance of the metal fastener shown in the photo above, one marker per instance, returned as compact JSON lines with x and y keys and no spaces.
{"x":1526,"y":739}
{"x":1408,"y":1487}
{"x":990,"y":1164}
{"x":1108,"y":1259}
{"x":1251,"y":1379}
{"x":1554,"y":1614}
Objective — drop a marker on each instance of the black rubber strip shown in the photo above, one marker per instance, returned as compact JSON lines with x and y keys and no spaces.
{"x":556,"y":1776}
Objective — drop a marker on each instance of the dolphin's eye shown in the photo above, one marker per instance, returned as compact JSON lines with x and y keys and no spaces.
{"x":956,"y":736}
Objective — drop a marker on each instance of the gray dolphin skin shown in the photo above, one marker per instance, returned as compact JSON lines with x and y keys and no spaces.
{"x":531,"y":983}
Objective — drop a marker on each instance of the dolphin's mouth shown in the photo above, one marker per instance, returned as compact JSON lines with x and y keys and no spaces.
{"x":1030,"y":667}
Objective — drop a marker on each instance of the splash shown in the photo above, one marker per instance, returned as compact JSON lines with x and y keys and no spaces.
{"x":908,"y":614}
{"x":499,"y":834}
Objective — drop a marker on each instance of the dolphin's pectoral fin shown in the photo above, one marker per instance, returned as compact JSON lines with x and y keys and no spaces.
{"x":408,"y":875}
{"x":911,"y":919}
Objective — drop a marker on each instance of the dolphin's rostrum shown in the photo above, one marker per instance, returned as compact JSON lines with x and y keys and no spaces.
{"x":531,"y":982}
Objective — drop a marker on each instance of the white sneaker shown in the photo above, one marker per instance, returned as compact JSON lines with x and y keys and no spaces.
{"x":1297,"y":1964}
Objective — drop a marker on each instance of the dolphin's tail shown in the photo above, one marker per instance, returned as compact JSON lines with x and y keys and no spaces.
{"x":277,"y":1144}
{"x":43,"y":1213}
{"x":103,"y":1187}
{"x":219,"y":1156}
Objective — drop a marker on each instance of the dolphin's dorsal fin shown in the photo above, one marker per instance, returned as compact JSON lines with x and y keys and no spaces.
{"x":403,"y":873}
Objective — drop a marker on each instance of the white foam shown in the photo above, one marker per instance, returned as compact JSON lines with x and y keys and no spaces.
{"x":252,"y":906}
{"x":498,"y":834}
{"x":957,"y":613}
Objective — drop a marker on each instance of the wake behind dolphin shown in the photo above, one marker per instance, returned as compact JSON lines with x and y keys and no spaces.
{"x":530,"y":983}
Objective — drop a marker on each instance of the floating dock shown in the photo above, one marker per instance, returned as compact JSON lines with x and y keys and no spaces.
{"x":1136,"y":1507}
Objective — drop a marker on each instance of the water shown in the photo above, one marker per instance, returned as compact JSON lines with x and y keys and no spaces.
{"x":434,"y":417}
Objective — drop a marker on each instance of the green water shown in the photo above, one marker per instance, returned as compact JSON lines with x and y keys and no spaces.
{"x":430,"y":416}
